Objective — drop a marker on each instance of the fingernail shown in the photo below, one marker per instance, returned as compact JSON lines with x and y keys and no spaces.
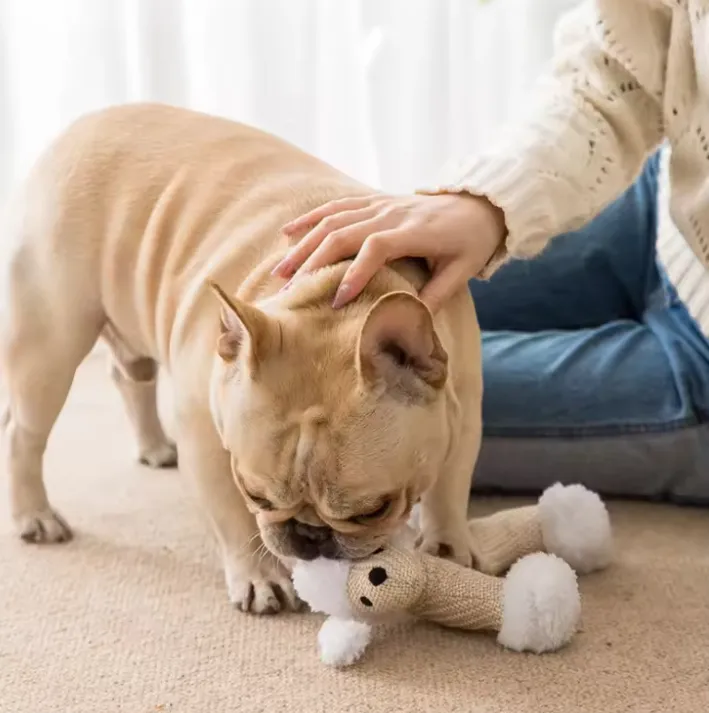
{"x":341,"y":296}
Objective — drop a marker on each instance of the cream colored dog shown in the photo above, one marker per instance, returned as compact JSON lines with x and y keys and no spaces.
{"x":311,"y":430}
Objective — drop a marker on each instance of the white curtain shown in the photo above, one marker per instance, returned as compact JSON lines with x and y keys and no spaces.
{"x":387,"y":90}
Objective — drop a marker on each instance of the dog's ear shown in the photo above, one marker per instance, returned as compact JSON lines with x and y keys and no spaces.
{"x":398,"y":346}
{"x":244,"y":325}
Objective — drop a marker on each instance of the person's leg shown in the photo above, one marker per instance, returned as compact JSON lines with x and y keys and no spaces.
{"x":620,"y":408}
{"x":593,"y":369}
{"x":583,"y":279}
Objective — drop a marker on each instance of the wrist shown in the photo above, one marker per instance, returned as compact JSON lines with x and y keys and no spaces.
{"x":491,"y":238}
{"x":489,"y":227}
{"x":496,"y":224}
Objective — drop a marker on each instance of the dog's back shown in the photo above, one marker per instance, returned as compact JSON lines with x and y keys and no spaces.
{"x":133,"y":207}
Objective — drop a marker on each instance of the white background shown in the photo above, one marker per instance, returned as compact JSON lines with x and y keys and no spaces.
{"x":387,"y":90}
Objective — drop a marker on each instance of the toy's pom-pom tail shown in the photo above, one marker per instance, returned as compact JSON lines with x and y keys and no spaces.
{"x":343,"y":641}
{"x":541,"y":604}
{"x":576,"y":527}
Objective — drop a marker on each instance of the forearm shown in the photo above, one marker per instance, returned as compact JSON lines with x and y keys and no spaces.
{"x":598,"y":117}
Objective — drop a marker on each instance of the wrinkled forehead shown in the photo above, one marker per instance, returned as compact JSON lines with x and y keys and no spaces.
{"x":335,"y":456}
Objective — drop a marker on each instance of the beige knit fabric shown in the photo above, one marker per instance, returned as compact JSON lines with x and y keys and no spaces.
{"x":627,"y":74}
{"x":132,"y":617}
{"x":500,"y":539}
{"x":427,"y":587}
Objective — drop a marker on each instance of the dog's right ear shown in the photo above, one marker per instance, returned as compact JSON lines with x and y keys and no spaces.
{"x":398,"y":347}
{"x":243,"y":325}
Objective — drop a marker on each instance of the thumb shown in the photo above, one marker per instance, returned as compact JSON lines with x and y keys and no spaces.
{"x":443,"y":285}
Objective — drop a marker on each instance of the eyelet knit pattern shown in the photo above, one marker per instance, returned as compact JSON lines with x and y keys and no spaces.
{"x":626,"y":76}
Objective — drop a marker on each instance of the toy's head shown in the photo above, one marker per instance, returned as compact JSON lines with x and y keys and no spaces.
{"x":386,"y":585}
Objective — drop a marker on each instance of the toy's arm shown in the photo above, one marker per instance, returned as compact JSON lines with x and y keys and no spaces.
{"x":568,"y":521}
{"x":500,"y":539}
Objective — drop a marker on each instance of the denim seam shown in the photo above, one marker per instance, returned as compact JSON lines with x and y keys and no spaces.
{"x":589,"y":431}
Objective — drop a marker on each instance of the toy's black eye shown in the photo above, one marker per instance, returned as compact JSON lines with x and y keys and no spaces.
{"x":381,"y":511}
{"x":377,"y":576}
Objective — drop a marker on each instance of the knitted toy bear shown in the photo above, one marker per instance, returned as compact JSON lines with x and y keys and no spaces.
{"x":534,"y":607}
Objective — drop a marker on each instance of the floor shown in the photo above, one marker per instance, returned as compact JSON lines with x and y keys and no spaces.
{"x":132,"y":615}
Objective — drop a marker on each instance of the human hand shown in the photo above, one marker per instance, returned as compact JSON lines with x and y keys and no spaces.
{"x":456,"y":234}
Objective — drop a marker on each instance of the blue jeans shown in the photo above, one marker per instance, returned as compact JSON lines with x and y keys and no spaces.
{"x":594,"y":371}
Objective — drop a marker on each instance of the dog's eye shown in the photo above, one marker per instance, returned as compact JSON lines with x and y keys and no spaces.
{"x":262,"y":503}
{"x":382,"y":510}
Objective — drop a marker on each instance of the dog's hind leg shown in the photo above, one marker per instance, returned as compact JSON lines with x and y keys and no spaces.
{"x":136,"y":380}
{"x":50,"y":325}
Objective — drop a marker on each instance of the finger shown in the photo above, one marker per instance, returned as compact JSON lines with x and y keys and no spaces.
{"x":377,"y":251}
{"x":314,"y":216}
{"x":340,"y":245}
{"x":443,"y":285}
{"x":341,"y":224}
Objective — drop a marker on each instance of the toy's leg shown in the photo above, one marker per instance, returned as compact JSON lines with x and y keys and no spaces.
{"x":499,"y":540}
{"x":459,"y":598}
{"x":536,"y":607}
{"x":569,"y":521}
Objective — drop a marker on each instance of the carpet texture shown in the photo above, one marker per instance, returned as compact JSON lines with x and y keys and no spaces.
{"x":132,"y":616}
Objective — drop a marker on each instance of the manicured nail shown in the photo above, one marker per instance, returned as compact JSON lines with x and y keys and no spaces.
{"x":341,"y":296}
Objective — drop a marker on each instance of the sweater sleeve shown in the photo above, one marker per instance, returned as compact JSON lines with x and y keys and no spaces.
{"x":597,"y":116}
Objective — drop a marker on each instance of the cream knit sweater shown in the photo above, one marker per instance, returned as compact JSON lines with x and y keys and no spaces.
{"x":628,"y":75}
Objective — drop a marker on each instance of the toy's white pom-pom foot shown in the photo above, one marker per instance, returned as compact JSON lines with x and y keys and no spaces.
{"x":343,"y":641}
{"x":541,"y":604}
{"x":576,"y":527}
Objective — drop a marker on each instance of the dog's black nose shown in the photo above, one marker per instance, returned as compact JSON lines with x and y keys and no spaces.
{"x":311,"y":541}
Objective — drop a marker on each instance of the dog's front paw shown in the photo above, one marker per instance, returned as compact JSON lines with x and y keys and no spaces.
{"x":42,"y":527}
{"x":161,"y":455}
{"x":262,"y":588}
{"x":455,"y":549}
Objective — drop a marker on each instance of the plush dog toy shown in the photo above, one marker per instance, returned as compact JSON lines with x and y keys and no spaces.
{"x":534,"y":607}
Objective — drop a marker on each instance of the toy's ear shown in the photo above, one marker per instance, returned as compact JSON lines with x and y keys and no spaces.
{"x":388,"y":584}
{"x":322,"y":585}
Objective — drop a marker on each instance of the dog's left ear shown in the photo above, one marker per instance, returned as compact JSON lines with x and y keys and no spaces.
{"x":242,"y":325}
{"x":398,"y":346}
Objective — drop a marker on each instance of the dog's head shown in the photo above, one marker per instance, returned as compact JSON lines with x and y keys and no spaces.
{"x":334,"y":420}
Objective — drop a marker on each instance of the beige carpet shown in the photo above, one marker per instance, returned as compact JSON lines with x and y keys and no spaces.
{"x":132,"y":616}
